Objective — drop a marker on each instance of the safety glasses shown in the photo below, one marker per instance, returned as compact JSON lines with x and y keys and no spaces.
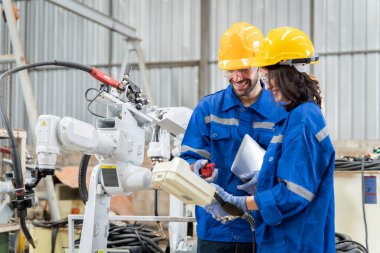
{"x":265,"y":79}
{"x":240,"y":72}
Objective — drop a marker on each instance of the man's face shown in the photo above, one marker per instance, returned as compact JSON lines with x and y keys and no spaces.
{"x":243,"y":81}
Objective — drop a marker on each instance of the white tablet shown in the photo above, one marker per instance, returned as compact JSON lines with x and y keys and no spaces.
{"x":248,"y":158}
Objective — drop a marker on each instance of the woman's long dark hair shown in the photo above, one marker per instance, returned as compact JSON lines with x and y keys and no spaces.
{"x":295,"y":86}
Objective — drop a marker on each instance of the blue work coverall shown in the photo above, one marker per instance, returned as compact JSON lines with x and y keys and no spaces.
{"x":215,"y":132}
{"x":295,"y":193}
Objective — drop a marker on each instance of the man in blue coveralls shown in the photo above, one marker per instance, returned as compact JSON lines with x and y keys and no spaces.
{"x":218,"y":125}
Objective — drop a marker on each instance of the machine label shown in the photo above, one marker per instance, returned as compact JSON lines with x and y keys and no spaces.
{"x":370,"y":190}
{"x":109,"y":174}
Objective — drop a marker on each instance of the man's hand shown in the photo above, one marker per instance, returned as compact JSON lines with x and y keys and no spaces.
{"x":238,"y":201}
{"x":215,"y":210}
{"x":197,"y":170}
{"x":250,"y":186}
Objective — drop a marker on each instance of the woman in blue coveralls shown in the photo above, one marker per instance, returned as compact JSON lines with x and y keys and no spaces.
{"x":293,"y":195}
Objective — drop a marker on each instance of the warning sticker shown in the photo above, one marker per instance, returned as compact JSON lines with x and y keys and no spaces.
{"x":108,"y":166}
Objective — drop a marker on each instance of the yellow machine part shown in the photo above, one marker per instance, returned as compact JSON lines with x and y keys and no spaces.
{"x":42,"y":239}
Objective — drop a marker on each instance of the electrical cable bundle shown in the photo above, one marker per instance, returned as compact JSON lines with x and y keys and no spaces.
{"x":133,"y":237}
{"x":344,"y":243}
{"x":350,"y":163}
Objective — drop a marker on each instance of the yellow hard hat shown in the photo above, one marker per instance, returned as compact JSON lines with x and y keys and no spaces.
{"x":286,"y":46}
{"x":238,"y":46}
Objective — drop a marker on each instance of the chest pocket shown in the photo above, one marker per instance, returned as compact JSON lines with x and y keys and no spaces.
{"x":220,"y":133}
{"x":221,"y":145}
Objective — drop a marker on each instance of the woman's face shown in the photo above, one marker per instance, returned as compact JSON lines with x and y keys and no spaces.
{"x":270,"y":84}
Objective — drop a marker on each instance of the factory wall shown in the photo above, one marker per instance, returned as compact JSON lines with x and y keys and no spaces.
{"x":346,"y":35}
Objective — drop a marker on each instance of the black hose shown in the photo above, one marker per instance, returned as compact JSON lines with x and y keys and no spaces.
{"x":74,"y":65}
{"x":49,"y":224}
{"x":24,"y":229}
{"x":18,"y":177}
{"x":18,"y":180}
{"x":82,"y":177}
{"x":155,"y":202}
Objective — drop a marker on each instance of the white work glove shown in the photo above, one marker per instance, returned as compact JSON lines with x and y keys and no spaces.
{"x":238,"y":201}
{"x":198,"y":165}
{"x":217,"y":212}
{"x":251,"y":182}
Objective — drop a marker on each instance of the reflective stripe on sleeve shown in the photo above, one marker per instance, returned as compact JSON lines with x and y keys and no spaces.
{"x":299,"y":190}
{"x":265,"y":125}
{"x":230,"y":121}
{"x":277,"y":139}
{"x":321,"y":135}
{"x":200,"y":152}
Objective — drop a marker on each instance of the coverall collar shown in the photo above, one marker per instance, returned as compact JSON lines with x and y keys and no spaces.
{"x":260,"y":106}
{"x":230,"y":99}
{"x":280,"y":116}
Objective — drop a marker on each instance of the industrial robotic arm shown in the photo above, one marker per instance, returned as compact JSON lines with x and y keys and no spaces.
{"x":117,"y":141}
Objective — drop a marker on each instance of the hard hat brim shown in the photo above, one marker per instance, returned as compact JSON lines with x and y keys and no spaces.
{"x":238,"y":63}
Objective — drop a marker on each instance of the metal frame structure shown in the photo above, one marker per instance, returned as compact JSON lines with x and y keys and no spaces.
{"x":72,"y":218}
{"x":18,"y":57}
{"x":108,"y":22}
{"x":203,"y":89}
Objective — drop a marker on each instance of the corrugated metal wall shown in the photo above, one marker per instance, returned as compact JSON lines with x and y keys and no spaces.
{"x":170,"y":32}
{"x":5,"y":88}
{"x":347,"y":33}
